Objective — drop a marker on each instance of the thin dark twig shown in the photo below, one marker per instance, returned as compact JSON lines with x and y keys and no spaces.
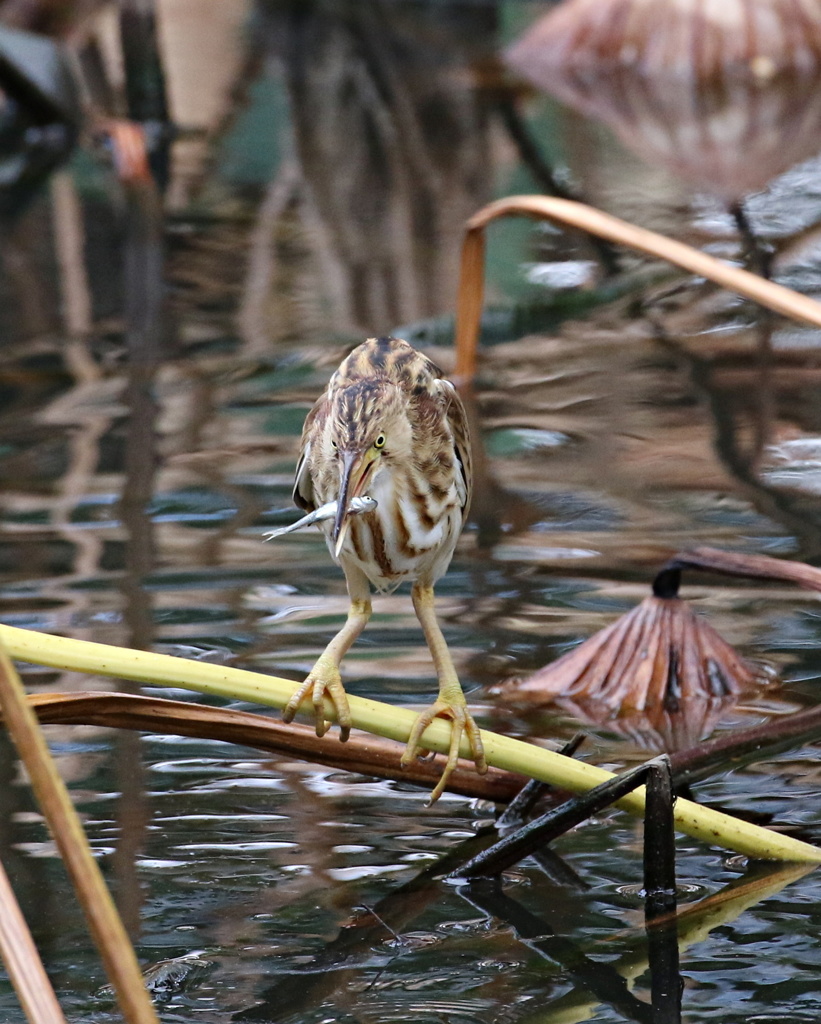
{"x":758,"y":253}
{"x":521,"y":843}
{"x":659,"y":838}
{"x":660,"y":895}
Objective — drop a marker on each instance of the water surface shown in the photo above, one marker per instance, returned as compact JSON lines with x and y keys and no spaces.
{"x":144,"y":455}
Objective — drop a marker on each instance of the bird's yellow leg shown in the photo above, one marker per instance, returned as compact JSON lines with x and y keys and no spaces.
{"x":324,"y":677}
{"x":451,"y":701}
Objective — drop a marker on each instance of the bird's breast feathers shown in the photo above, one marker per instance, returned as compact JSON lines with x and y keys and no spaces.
{"x":408,"y":536}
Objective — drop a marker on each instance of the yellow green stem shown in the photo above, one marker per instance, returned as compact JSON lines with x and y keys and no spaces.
{"x":395,"y":723}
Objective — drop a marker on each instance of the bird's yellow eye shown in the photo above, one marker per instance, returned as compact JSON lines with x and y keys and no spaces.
{"x":379,"y":442}
{"x":334,"y":445}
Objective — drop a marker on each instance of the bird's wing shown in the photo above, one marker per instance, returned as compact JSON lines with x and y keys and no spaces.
{"x":458,"y":423}
{"x":303,"y":493}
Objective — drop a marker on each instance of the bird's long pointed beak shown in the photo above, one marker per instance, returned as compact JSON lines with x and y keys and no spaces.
{"x":351,"y":475}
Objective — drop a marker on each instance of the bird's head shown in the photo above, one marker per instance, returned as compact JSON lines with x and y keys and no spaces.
{"x":367,"y":432}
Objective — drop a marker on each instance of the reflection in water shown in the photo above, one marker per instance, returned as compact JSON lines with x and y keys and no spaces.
{"x":725,"y":95}
{"x":757,"y":404}
{"x":146,"y":338}
{"x":391,"y":135}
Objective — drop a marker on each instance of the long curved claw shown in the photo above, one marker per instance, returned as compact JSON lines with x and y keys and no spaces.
{"x":323,"y":679}
{"x":461,"y":723}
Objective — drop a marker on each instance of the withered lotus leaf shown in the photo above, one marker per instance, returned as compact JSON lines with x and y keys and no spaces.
{"x":659,"y":675}
{"x":659,"y":654}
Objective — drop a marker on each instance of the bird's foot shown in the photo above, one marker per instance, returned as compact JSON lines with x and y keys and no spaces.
{"x":462,"y":723}
{"x":324,"y":679}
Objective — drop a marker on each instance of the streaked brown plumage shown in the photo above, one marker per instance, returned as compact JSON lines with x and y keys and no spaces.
{"x":389,"y":425}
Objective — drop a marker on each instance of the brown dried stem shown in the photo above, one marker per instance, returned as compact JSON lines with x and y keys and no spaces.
{"x":380,"y":758}
{"x":735,"y":563}
{"x":25,"y":969}
{"x":578,"y":215}
{"x":362,"y":753}
{"x":104,"y":922}
{"x":746,"y":746}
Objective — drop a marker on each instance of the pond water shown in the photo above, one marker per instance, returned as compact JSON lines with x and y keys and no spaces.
{"x":148,"y":438}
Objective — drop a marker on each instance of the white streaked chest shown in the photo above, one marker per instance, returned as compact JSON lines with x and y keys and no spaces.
{"x":390,"y":550}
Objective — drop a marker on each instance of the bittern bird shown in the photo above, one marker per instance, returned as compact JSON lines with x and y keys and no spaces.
{"x":389,"y":425}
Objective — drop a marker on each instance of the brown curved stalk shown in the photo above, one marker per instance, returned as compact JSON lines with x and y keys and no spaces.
{"x":736,"y":563}
{"x":363,"y":753}
{"x":470,"y":298}
{"x":373,"y":756}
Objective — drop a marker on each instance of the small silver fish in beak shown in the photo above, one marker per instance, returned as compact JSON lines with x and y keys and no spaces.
{"x":320,"y":515}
